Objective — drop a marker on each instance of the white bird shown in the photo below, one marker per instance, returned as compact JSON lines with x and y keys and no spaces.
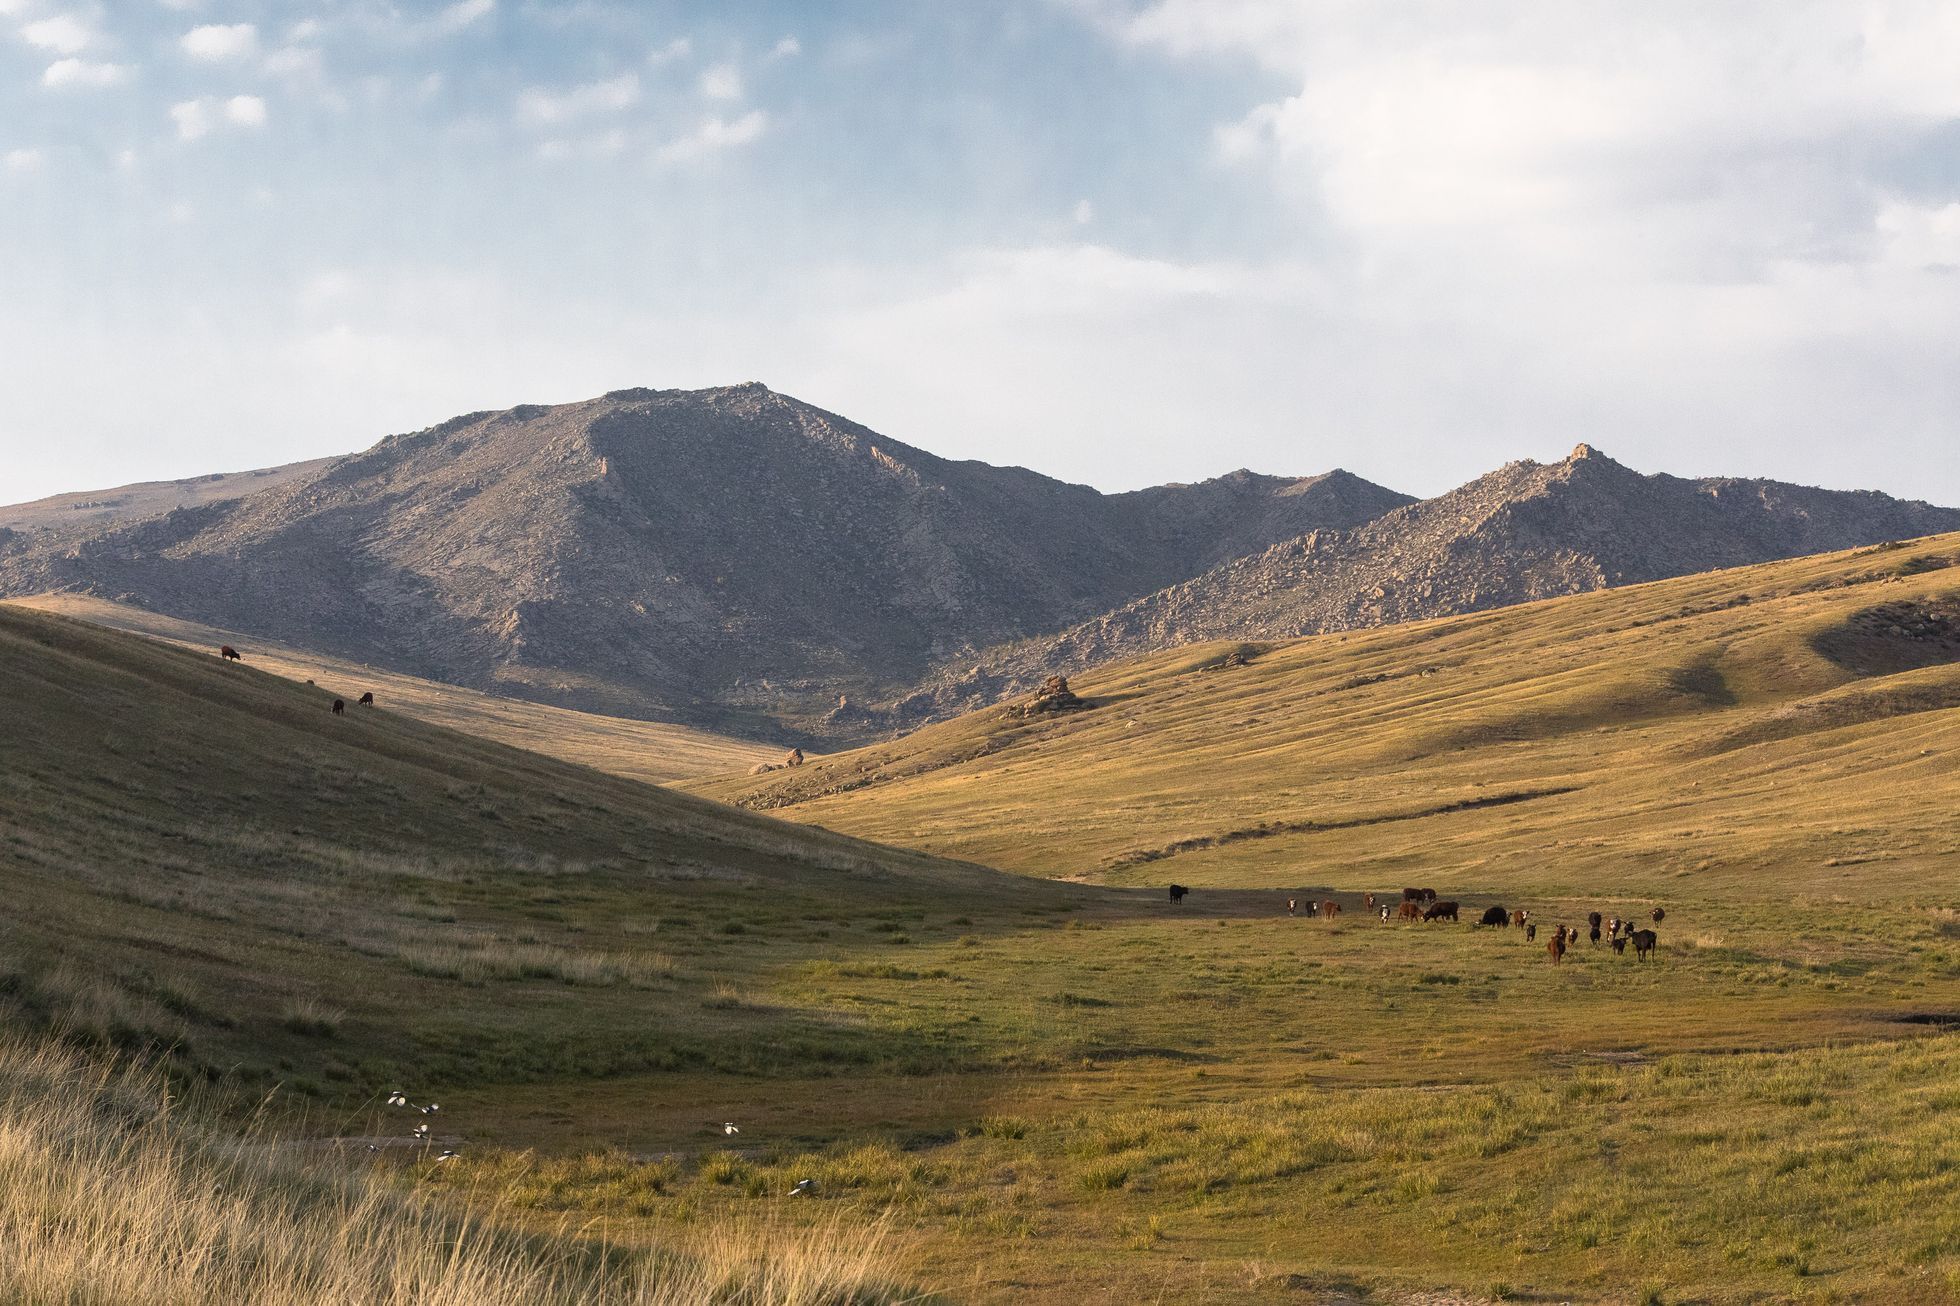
{"x":804,"y":1187}
{"x":449,"y":1154}
{"x":396,"y":1099}
{"x":728,"y":1127}
{"x":430,"y":1109}
{"x":421,"y":1131}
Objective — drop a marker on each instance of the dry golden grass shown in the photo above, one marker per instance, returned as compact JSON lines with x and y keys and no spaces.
{"x":110,"y":1192}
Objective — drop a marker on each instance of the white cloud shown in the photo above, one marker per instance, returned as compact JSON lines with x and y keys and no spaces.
{"x":540,"y":107}
{"x":219,"y":42}
{"x":463,"y":13}
{"x":678,"y":48}
{"x":714,"y":136}
{"x":182,"y":6}
{"x":81,"y":73}
{"x":198,"y":118}
{"x":1084,"y":213}
{"x":306,"y":29}
{"x":63,"y":34}
{"x":787,"y":48}
{"x":22,"y":160}
{"x":245,"y":111}
{"x":723,"y":81}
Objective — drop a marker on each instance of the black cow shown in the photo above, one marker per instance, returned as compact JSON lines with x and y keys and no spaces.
{"x":339,"y":706}
{"x":1619,"y":945}
{"x":1643,"y":943}
{"x":1177,"y":890}
{"x":1530,"y":931}
{"x":1495,"y":916}
{"x":367,"y":699}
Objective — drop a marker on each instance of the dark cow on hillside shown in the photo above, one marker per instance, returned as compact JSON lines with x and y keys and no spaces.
{"x":1530,"y":931}
{"x":1660,"y":914}
{"x":1177,"y":890}
{"x":1408,"y":911}
{"x":1442,"y":911}
{"x":1593,"y":920}
{"x":1495,"y":916}
{"x":1556,"y":947}
{"x":1428,"y":895}
{"x":230,"y":654}
{"x":367,"y":699}
{"x":1619,"y":945}
{"x":1643,"y":943}
{"x":1412,"y":895}
{"x":339,"y":706}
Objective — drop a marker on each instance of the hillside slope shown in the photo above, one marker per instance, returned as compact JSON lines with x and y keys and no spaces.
{"x":1793,"y":724}
{"x":651,"y":751}
{"x":697,"y":556}
{"x":200,"y":855}
{"x":1528,"y":531}
{"x":96,"y":508}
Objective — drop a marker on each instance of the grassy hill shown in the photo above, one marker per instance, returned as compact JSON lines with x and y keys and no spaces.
{"x":1777,"y":729}
{"x":1052,"y":1091}
{"x":654,"y":751}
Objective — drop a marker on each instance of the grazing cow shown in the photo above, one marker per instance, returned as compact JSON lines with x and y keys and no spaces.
{"x":1412,"y":895}
{"x":1428,"y":895}
{"x":339,"y":706}
{"x":1442,"y":911}
{"x":230,"y":654}
{"x":1530,"y":931}
{"x":1520,"y":916}
{"x":367,"y":699}
{"x":1384,"y":910}
{"x":1409,"y":911}
{"x":1592,"y":929}
{"x":1643,"y":943}
{"x":1594,"y":919}
{"x":1495,"y":916}
{"x":1557,"y":945}
{"x":1660,"y":914}
{"x":1177,"y":890}
{"x":1619,"y":945}
{"x":1368,"y":900}
{"x":1613,"y":927}
{"x":1330,"y":908}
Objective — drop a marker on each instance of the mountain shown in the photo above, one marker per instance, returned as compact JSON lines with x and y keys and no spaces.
{"x":1526,"y":531}
{"x":147,"y":498}
{"x":723,"y":556}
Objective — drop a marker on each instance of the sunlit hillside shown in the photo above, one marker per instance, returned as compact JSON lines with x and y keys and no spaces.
{"x":1782,"y":728}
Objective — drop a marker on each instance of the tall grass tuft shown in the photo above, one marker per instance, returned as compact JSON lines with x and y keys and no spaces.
{"x":109,"y":1192}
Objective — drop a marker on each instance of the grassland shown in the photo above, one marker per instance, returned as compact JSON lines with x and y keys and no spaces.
{"x":1053,"y":1090}
{"x":655,"y":751}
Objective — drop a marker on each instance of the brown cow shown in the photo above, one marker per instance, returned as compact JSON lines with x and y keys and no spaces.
{"x":1428,"y":895}
{"x":1290,"y":905}
{"x":1442,"y":911}
{"x":367,"y":699}
{"x":1409,"y":911}
{"x":230,"y":654}
{"x":1412,"y":895}
{"x":1643,"y":943}
{"x":1367,"y":900}
{"x":339,"y":706}
{"x":1330,"y":908}
{"x":1557,"y":945}
{"x":1520,"y":916}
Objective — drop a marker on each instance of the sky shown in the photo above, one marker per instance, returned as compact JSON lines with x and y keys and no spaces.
{"x":1119,"y":241}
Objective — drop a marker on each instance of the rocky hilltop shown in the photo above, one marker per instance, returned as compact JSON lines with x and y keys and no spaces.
{"x":1526,"y":531}
{"x":730,"y":557}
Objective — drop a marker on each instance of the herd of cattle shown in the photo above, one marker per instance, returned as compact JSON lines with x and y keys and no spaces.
{"x":1422,"y":905}
{"x":229,"y":654}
